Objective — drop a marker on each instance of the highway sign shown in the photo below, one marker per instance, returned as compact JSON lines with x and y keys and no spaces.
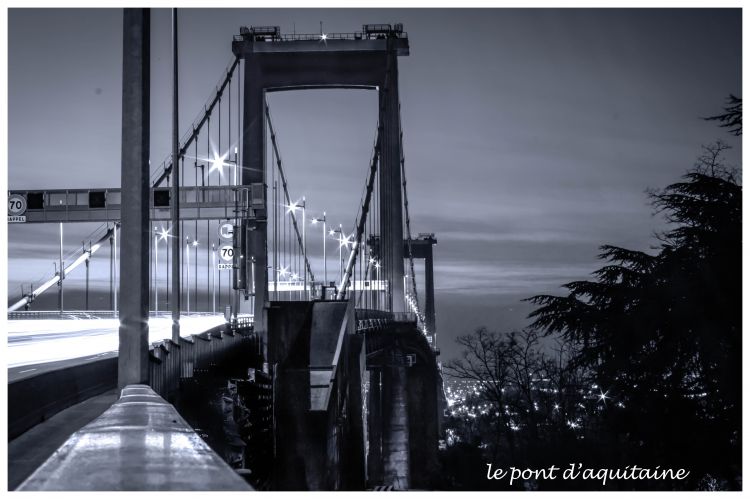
{"x":226,"y":230}
{"x":16,"y":204}
{"x":226,"y":253}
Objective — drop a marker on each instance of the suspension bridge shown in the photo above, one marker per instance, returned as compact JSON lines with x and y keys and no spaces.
{"x":331,"y":362}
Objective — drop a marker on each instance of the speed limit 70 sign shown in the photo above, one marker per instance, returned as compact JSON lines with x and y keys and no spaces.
{"x":16,"y":208}
{"x":227,"y":254}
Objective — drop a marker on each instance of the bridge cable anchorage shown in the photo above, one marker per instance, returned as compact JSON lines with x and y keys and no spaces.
{"x":166,"y":165}
{"x":86,"y":255}
{"x":346,"y":279}
{"x":415,"y":304}
{"x":280,"y":169}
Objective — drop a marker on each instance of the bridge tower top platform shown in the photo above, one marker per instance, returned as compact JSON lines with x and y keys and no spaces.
{"x":372,"y":38}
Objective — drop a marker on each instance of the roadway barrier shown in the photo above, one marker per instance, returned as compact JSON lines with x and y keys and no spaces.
{"x":140,"y":443}
{"x":194,"y":355}
{"x":35,"y":399}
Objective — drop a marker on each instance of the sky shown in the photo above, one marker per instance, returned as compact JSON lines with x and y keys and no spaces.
{"x":530,"y":136}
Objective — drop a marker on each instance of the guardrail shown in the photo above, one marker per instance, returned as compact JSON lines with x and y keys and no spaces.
{"x":140,"y":443}
{"x":196,"y":354}
{"x":369,"y":320}
{"x":317,"y":37}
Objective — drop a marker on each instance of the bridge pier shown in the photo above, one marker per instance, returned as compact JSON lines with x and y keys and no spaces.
{"x":404,"y":415}
{"x":374,"y":427}
{"x":318,"y":366}
{"x":395,"y":433}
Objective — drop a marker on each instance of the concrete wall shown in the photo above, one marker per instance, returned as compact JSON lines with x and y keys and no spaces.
{"x":37,"y":398}
{"x":404,"y":413}
{"x":140,"y":443}
{"x":317,"y":363}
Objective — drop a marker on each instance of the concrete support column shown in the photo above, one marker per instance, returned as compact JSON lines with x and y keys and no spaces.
{"x":253,"y":169}
{"x":391,"y":206}
{"x":135,"y":235}
{"x":429,"y":283}
{"x":375,"y":430}
{"x":396,"y":419}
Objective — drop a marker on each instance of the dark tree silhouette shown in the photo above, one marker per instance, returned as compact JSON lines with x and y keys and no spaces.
{"x":532,"y":408}
{"x":663,"y":332}
{"x":731,"y":117}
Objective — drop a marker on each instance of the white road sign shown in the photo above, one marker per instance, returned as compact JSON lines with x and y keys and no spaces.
{"x":226,"y":253}
{"x":16,"y":208}
{"x":16,"y":204}
{"x":226,"y":231}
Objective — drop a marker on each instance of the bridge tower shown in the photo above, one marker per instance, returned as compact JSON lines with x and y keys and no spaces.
{"x":367,"y":60}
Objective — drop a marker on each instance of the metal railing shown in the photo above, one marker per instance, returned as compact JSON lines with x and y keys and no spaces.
{"x":374,"y":320}
{"x":318,"y":37}
{"x":197,"y":354}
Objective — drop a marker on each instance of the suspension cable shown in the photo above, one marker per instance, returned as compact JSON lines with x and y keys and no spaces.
{"x":420,"y":316}
{"x":167,"y":163}
{"x":286,"y":189}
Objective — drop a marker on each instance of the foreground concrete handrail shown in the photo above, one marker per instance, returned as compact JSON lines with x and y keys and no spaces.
{"x":140,"y":443}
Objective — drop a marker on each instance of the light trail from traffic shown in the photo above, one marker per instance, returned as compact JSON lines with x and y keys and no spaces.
{"x":33,"y":342}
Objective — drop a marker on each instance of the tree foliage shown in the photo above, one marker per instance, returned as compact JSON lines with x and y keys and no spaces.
{"x":731,"y":117}
{"x":663,"y":331}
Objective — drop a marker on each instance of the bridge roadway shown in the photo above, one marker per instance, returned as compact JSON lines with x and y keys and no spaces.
{"x":36,"y":346}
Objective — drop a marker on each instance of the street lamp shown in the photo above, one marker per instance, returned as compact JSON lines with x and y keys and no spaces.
{"x":304,"y":247}
{"x":376,"y":264}
{"x":292,"y":208}
{"x":156,"y":269}
{"x":159,"y":235}
{"x":187,"y":274}
{"x":341,"y":257}
{"x":213,"y":275}
{"x":325,"y":256}
{"x":195,"y":245}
